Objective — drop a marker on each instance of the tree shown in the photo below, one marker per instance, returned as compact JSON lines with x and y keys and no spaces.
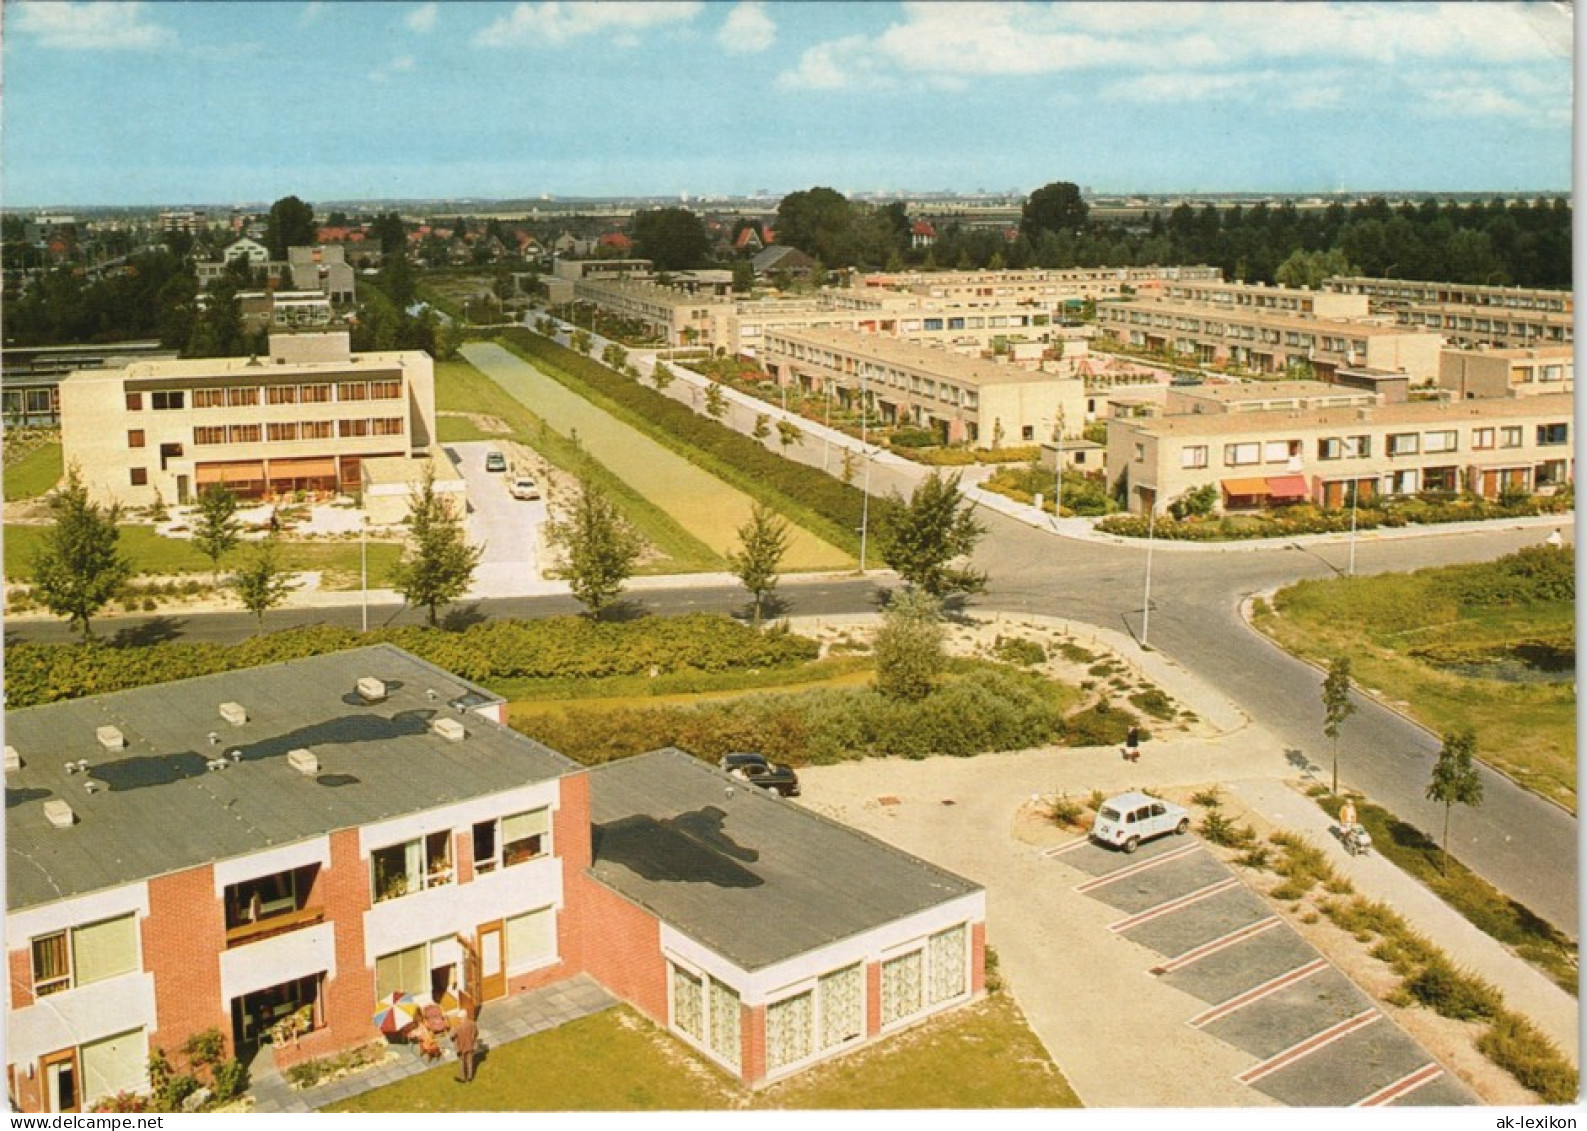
{"x":661,"y":375}
{"x":762,"y":427}
{"x":788,"y":433}
{"x":1455,"y":779}
{"x":820,"y":223}
{"x":438,"y":563}
{"x":762,"y":540}
{"x":78,"y":567}
{"x":261,"y":582}
{"x":672,"y":238}
{"x":580,"y":341}
{"x":1337,"y":705}
{"x":909,"y":646}
{"x":715,"y":402}
{"x":921,"y":537}
{"x":290,"y":224}
{"x":216,"y":529}
{"x":598,"y":545}
{"x":614,"y":355}
{"x":1055,"y":208}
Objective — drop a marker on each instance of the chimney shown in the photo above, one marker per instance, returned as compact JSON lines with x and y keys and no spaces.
{"x":59,"y":814}
{"x":234,"y":713}
{"x":13,"y":759}
{"x":303,"y":761}
{"x":111,"y":737}
{"x":449,"y":729}
{"x":371,"y":690}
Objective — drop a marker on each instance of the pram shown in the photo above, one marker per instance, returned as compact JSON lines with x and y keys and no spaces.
{"x":1357,"y":841}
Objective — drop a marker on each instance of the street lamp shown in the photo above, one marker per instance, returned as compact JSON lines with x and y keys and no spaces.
{"x":1058,"y":469}
{"x":1146,"y":600}
{"x":363,"y":566}
{"x":1355,"y":492}
{"x":865,"y":450}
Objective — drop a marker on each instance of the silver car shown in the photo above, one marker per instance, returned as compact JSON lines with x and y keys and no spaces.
{"x":1129,"y":818}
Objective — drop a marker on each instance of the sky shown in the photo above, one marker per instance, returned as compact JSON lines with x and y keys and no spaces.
{"x":127,"y":103}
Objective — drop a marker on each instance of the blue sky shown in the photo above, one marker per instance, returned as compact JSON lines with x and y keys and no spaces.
{"x":142,"y":103}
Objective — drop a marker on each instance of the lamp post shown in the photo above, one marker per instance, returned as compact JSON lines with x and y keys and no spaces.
{"x":1058,"y":469}
{"x":363,"y":567}
{"x":865,"y":450}
{"x":1355,"y":491}
{"x":1146,"y":600}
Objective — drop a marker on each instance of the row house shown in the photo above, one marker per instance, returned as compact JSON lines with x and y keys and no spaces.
{"x":967,"y":400}
{"x":1305,"y":445}
{"x":1269,"y":342}
{"x":1256,"y":296}
{"x":271,"y":853}
{"x":1468,"y":374}
{"x":674,"y":316}
{"x":1469,"y":314}
{"x":1045,"y":287}
{"x":302,"y":419}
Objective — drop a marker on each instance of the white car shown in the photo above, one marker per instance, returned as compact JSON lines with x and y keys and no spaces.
{"x":524,"y":488}
{"x":1127,"y":819}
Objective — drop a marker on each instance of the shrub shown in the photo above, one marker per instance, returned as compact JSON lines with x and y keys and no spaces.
{"x":1019,"y":650}
{"x":1216,"y":828}
{"x":1065,"y":812}
{"x":1452,"y":993}
{"x":1211,"y":798}
{"x":1154,"y":703}
{"x":231,"y":1080}
{"x":1099,"y":725}
{"x":912,"y":438}
{"x":1074,"y":653}
{"x":1515,"y":1045}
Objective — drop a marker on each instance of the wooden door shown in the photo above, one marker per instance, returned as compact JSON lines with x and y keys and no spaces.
{"x":492,"y":963}
{"x":62,"y":1082}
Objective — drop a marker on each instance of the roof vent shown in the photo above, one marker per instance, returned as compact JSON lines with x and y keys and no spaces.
{"x":59,"y":814}
{"x":303,"y":761}
{"x":111,"y":738}
{"x":449,"y":729}
{"x":234,"y":713}
{"x":371,"y":690}
{"x":13,"y":759}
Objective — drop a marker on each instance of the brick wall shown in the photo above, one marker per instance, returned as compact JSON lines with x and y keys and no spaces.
{"x":873,"y":999}
{"x":978,"y":958}
{"x":183,"y":938}
{"x":20,"y":965}
{"x":752,"y":1027}
{"x":348,"y":999}
{"x":621,"y":946}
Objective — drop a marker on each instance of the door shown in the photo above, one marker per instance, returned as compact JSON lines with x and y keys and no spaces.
{"x":492,"y":963}
{"x":182,"y":490}
{"x":61,"y":1081}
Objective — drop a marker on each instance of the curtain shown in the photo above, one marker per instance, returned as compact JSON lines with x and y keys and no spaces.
{"x":947,"y":958}
{"x":788,"y":1030}
{"x":842,"y":1006}
{"x":901,"y":988}
{"x":725,"y":1023}
{"x":688,"y":1014}
{"x":103,"y":950}
{"x":114,"y":1064}
{"x":531,"y":937}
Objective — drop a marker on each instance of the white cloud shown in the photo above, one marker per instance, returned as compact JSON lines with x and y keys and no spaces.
{"x":556,"y":21}
{"x":832,"y":66}
{"x":747,"y":29}
{"x":1194,"y":87}
{"x":422,"y":19}
{"x":398,"y":65}
{"x":1519,"y":96}
{"x":91,"y":27}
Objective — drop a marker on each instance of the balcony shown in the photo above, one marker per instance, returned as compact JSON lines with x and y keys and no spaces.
{"x":271,"y":925}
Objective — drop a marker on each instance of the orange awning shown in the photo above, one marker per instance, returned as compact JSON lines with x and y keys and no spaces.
{"x":1245,"y":486}
{"x":304,"y":468}
{"x":1287,"y":487}
{"x":241,"y":471}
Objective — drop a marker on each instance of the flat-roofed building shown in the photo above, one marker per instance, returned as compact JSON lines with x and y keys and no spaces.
{"x":1468,"y":374}
{"x":675,"y":316}
{"x":302,"y":419}
{"x":1312,"y":451}
{"x":963,"y":399}
{"x":273,"y":853}
{"x":1267,"y":341}
{"x":1052,"y":288}
{"x":1257,"y":296}
{"x":1468,"y":314}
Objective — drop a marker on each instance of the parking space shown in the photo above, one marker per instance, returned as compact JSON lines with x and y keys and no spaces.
{"x":1314,"y":1038}
{"x":508,"y":528}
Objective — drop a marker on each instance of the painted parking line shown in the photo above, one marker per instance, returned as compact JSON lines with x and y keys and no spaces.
{"x":1402,"y":1087}
{"x":1137,"y":869}
{"x":1301,"y":1051}
{"x":1233,"y":938}
{"x":1174,"y":905}
{"x":1257,"y":993}
{"x":1069,"y":847}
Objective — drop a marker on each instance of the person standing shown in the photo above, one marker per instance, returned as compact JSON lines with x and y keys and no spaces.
{"x":1132,"y":744}
{"x":465,"y":1039}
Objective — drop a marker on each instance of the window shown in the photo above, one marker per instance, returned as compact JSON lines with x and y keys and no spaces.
{"x":316,"y":394}
{"x":724,"y":1037}
{"x":346,"y":428}
{"x":1482,"y":439}
{"x":947,"y":952}
{"x":401,"y":869}
{"x":114,"y":1064}
{"x":254,"y":900}
{"x":688,"y":1004}
{"x":902,"y":992}
{"x":1551,"y":373}
{"x":1404,"y":444}
{"x":243,"y":434}
{"x":1236,"y":455}
{"x":1140,"y":453}
{"x":1330,"y":448}
{"x":1510,"y":436}
{"x":209,"y":398}
{"x":531,"y":938}
{"x":243,"y":395}
{"x":281,"y":394}
{"x":317,"y":429}
{"x":402,"y":971}
{"x":1358,"y":447}
{"x":1193,"y":456}
{"x":134,"y":402}
{"x":352,"y":391}
{"x":525,"y":836}
{"x":215,"y":434}
{"x":1440,"y":479}
{"x":842,"y":998}
{"x":1280,"y":451}
{"x":790,"y":1026}
{"x":84,"y":955}
{"x":140,"y":476}
{"x":1027,"y":432}
{"x":135,"y":438}
{"x":1551,"y":434}
{"x":1442,"y":441}
{"x":385,"y":390}
{"x":284,"y":431}
{"x":1552,"y":473}
{"x":485,"y":847}
{"x":388,"y":426}
{"x":167,"y":400}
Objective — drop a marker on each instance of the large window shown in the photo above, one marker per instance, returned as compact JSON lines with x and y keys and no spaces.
{"x":1440,"y":479}
{"x":1446,"y":440}
{"x":403,"y":971}
{"x":171,"y":399}
{"x":316,"y":394}
{"x":115,"y":1064}
{"x":1404,"y":444}
{"x":414,"y":865}
{"x":947,"y":952}
{"x":385,"y":390}
{"x":935,"y":973}
{"x":281,"y":394}
{"x":525,"y":836}
{"x":1510,"y":436}
{"x":688,"y":1004}
{"x":209,"y":434}
{"x":790,"y":1030}
{"x":902,"y":992}
{"x":724,"y":1038}
{"x":209,"y":398}
{"x":531,"y":938}
{"x":1549,"y":435}
{"x":1193,"y":455}
{"x":1482,"y":439}
{"x":80,"y":956}
{"x":1237,"y":455}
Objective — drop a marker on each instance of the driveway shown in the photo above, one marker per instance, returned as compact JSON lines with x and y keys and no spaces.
{"x":508,"y":528}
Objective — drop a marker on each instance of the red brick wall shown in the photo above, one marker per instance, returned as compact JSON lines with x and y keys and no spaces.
{"x":621,"y":947}
{"x":752,"y":1027}
{"x":348,"y":999}
{"x":183,"y":938}
{"x":977,"y":958}
{"x":20,"y":964}
{"x":463,"y":855}
{"x":873,"y":998}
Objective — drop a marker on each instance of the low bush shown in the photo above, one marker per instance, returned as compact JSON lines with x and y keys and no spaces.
{"x":1019,"y":650}
{"x":1066,"y":812}
{"x":1217,"y":828}
{"x":1154,"y":703}
{"x":1075,"y":654}
{"x":1452,"y":993}
{"x":1210,"y":798}
{"x":1515,"y":1045}
{"x":1101,"y":724}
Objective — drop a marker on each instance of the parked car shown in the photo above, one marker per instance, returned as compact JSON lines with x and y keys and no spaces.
{"x":495,"y":461}
{"x":524,"y":488}
{"x":778,"y":777}
{"x":1126,"y":819}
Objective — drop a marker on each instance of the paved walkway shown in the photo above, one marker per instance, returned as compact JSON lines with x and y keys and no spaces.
{"x":499,"y":1022}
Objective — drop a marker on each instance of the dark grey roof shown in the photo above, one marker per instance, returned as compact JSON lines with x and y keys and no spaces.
{"x":163,"y":810}
{"x":757,"y":879}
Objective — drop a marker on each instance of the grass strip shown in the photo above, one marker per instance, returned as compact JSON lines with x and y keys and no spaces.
{"x":459,"y":387}
{"x":34,"y":473}
{"x":808,"y":496}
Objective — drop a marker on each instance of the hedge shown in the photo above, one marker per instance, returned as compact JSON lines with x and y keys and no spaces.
{"x":815,"y":500}
{"x":1308,"y":519}
{"x":497,"y":649}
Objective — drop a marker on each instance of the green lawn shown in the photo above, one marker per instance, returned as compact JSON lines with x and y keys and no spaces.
{"x":982,"y":1056}
{"x":157,"y":555}
{"x":34,"y":474}
{"x":459,"y":387}
{"x":1396,"y":628}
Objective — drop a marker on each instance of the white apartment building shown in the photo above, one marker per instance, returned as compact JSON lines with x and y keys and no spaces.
{"x":1467,"y":314}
